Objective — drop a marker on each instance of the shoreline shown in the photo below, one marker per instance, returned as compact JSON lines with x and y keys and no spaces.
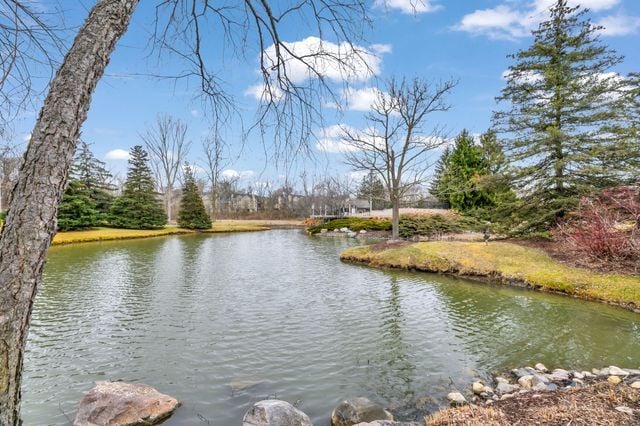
{"x":117,"y":234}
{"x":623,"y":290}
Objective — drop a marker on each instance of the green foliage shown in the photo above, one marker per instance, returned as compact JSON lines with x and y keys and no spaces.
{"x":138,"y":207}
{"x":372,"y":188}
{"x":561,"y":130}
{"x":192,"y":213}
{"x":437,"y":224}
{"x":354,"y":223}
{"x":77,"y":210}
{"x":469,"y":176}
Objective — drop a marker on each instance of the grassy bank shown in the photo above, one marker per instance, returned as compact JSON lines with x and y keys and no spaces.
{"x":110,"y":234}
{"x":503,"y":262}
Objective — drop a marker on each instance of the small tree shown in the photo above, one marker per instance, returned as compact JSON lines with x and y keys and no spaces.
{"x":395,"y":145}
{"x":192,"y":213}
{"x":93,"y":177}
{"x":77,"y":210}
{"x":371,"y":188}
{"x":138,"y":207}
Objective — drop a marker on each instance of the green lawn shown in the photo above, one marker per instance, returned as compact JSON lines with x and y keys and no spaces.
{"x":505,"y":262}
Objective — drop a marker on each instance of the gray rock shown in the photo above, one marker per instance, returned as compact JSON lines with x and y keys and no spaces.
{"x":119,"y":404}
{"x":578,"y":375}
{"x":358,"y":410}
{"x":603,"y":372}
{"x":632,"y":372}
{"x":615,"y":371}
{"x":456,"y":398}
{"x":540,"y":379}
{"x":521,"y":372}
{"x":624,"y":409}
{"x":540,"y":367}
{"x":345,"y":229}
{"x":595,"y":371}
{"x":273,"y":412}
{"x":526,"y":381}
{"x":588,"y":374}
{"x":539,"y":387}
{"x":552,"y":387}
{"x":559,"y":375}
{"x":502,"y":380}
{"x":503,"y":388}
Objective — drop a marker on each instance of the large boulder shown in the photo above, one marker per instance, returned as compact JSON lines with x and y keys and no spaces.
{"x":358,"y":410}
{"x":273,"y":412}
{"x":124,"y":404}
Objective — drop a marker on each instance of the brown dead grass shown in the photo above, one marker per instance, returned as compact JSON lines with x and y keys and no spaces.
{"x":593,"y":405}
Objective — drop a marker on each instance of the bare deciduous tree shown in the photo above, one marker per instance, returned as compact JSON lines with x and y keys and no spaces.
{"x":396,"y":142}
{"x":214,"y":151}
{"x":168,"y":147}
{"x":31,"y":221}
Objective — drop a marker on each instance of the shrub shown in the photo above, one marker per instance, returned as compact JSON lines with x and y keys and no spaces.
{"x":354,"y":223}
{"x":605,"y":228}
{"x":430,"y":226}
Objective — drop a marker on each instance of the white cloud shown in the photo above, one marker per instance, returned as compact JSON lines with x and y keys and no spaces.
{"x":619,"y":25}
{"x":117,"y":154}
{"x":195,"y":113}
{"x":358,"y":99}
{"x":381,"y":48}
{"x":511,"y":20}
{"x":408,"y":6}
{"x":313,"y":57}
{"x":331,"y":139}
{"x":235,"y":174}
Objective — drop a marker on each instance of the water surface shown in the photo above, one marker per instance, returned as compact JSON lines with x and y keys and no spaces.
{"x":189,"y":315}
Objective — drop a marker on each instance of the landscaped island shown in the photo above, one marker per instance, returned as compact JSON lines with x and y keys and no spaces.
{"x":502,"y":262}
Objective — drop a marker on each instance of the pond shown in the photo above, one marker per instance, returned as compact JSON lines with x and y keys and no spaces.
{"x":277,"y":311}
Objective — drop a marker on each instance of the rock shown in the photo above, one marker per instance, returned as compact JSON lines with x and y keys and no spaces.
{"x":502,"y":380}
{"x":353,"y":411}
{"x":614,"y":379}
{"x":588,"y":374}
{"x":503,"y":388}
{"x":488,"y":389}
{"x":456,"y":398}
{"x":604,"y":372}
{"x":635,"y":385}
{"x":239,"y":385}
{"x":526,"y":382}
{"x":539,"y":387}
{"x":632,"y":372}
{"x":559,"y":375}
{"x":506,"y":396}
{"x":352,"y":234}
{"x":552,"y":387}
{"x":578,"y":375}
{"x":521,"y":372}
{"x":118,"y":403}
{"x":478,"y":388}
{"x":540,"y":379}
{"x":541,"y":367}
{"x":324,"y":230}
{"x":273,"y":412}
{"x":363,"y":231}
{"x":624,"y":409}
{"x":615,"y":371}
{"x":595,"y":371}
{"x":345,"y":229}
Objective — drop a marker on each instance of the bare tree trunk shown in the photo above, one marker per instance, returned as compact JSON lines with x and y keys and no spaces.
{"x":395,"y":218}
{"x":31,"y":222}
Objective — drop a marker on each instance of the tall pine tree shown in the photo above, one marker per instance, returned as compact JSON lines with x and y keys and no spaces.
{"x":138,"y":207}
{"x":192,"y":214}
{"x":437,"y":188}
{"x":562,"y":102}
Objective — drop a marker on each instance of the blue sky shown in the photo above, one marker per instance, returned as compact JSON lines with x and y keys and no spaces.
{"x":466,"y":40}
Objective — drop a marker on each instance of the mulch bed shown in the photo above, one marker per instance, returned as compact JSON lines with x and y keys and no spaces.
{"x":593,"y":405}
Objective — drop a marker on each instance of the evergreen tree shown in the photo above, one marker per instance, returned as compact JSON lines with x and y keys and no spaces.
{"x":192,"y":214}
{"x":138,"y":207}
{"x":77,"y":210}
{"x":93,"y":176}
{"x":372,"y":188}
{"x":465,"y":166}
{"x":563,"y":104}
{"x":437,"y":188}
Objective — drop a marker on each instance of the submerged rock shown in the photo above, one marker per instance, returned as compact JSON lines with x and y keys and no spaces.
{"x":358,"y":410}
{"x":120,"y":404}
{"x":245,"y":384}
{"x":274,"y":412}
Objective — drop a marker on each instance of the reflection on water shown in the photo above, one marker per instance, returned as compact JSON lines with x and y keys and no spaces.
{"x":189,"y":315}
